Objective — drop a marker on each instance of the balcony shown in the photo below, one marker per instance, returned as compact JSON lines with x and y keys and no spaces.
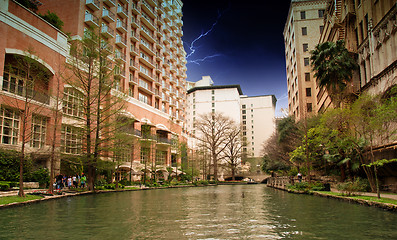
{"x":165,"y":97}
{"x":119,"y":56}
{"x":147,"y":33}
{"x":148,"y":21}
{"x":119,"y":73}
{"x":134,"y":8}
{"x":122,"y":12}
{"x":110,"y":3}
{"x":147,"y":61}
{"x":120,"y":41}
{"x":149,"y":9}
{"x":147,"y":47}
{"x":121,"y":26}
{"x":147,"y":75}
{"x":156,"y":93}
{"x":178,"y":11}
{"x":134,"y":22}
{"x":92,"y":4}
{"x":125,"y":1}
{"x":145,"y":87}
{"x":91,"y":20}
{"x":179,"y":32}
{"x":106,"y":47}
{"x":134,"y":36}
{"x":133,"y":50}
{"x":134,"y":66}
{"x":108,"y":15}
{"x":106,"y":31}
{"x":164,"y":140}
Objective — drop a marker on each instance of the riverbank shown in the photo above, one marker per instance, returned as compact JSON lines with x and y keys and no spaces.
{"x":388,"y":201}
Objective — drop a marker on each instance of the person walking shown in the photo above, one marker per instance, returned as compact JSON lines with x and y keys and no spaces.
{"x":74,"y":179}
{"x":69,"y":182}
{"x":83,"y":180}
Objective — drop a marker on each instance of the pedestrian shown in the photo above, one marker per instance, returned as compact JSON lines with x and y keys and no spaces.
{"x":299,"y":176}
{"x":74,"y":179}
{"x":69,"y":182}
{"x":83,"y":180}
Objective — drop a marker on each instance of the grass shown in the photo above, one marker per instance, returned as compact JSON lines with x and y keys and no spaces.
{"x":368,"y":198}
{"x":14,"y":199}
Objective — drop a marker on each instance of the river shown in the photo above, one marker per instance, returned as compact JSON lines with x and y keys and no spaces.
{"x":215,"y":212}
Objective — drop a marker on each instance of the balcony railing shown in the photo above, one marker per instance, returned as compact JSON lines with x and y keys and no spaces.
{"x":107,"y":31}
{"x":164,"y":140}
{"x":121,"y":26}
{"x":108,"y":15}
{"x":91,"y":20}
{"x":92,"y":4}
{"x":120,"y":41}
{"x":122,"y":12}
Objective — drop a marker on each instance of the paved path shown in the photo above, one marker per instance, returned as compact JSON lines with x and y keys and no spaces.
{"x":382,"y":194}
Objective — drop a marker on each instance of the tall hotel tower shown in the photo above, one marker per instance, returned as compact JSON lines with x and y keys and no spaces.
{"x":145,"y":39}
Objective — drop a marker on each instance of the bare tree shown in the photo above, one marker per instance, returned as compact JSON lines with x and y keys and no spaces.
{"x":232,"y":153}
{"x":25,"y":92}
{"x":213,"y":129}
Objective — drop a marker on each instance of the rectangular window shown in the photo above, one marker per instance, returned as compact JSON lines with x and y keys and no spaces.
{"x":303,"y":15}
{"x":15,"y":81}
{"x":244,"y":122}
{"x":321,"y":13}
{"x":308,"y":92}
{"x":304,"y":31}
{"x":71,"y":139}
{"x":244,"y":111}
{"x":305,"y":47}
{"x":39,"y":126}
{"x":144,"y":155}
{"x":73,"y":102}
{"x":9,"y":123}
{"x":213,"y":105}
{"x":213,"y":98}
{"x":243,"y":106}
{"x":212,"y":92}
{"x":309,"y":107}
{"x":306,"y":61}
{"x":307,"y":77}
{"x":160,"y":157}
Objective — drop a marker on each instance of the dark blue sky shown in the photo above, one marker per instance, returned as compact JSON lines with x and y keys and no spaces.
{"x":246,"y":44}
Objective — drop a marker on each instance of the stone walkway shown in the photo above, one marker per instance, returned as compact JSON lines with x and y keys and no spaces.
{"x":382,"y":194}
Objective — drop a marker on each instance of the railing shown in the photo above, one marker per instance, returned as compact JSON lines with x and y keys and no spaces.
{"x":121,"y":24}
{"x":91,"y":18}
{"x":106,"y":12}
{"x":164,"y":140}
{"x":120,"y":39}
{"x":106,"y":29}
{"x":148,"y":6}
{"x":120,"y":55}
{"x":121,"y":9}
{"x":148,"y":18}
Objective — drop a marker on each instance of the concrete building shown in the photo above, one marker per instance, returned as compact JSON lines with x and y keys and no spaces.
{"x":255,"y":114}
{"x":301,"y":34}
{"x":144,"y":38}
{"x":258,"y":122}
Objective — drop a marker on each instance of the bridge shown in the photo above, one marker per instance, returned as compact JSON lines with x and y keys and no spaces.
{"x":257,"y":177}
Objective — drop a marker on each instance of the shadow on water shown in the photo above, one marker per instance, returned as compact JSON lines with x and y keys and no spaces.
{"x":222,"y":212}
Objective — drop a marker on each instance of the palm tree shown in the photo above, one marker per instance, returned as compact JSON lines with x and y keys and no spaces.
{"x":333,"y":66}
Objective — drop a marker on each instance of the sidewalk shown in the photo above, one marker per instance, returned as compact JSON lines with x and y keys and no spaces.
{"x":382,"y":194}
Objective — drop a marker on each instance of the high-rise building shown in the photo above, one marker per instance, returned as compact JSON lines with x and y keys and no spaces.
{"x":301,"y":34}
{"x":258,"y":122}
{"x":255,"y":114}
{"x":144,"y":39}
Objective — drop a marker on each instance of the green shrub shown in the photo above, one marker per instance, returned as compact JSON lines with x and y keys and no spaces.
{"x":42,"y":176}
{"x":348,"y":188}
{"x":53,"y":19}
{"x":4,"y":186}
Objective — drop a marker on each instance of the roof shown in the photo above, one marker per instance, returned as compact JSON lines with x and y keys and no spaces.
{"x":216,"y":87}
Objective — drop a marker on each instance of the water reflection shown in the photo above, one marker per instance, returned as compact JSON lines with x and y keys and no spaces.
{"x":223,"y":212}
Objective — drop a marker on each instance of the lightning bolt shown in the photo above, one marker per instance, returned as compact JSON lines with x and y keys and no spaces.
{"x":193,"y":48}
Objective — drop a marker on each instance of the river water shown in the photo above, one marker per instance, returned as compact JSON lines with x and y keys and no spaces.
{"x":215,"y":212}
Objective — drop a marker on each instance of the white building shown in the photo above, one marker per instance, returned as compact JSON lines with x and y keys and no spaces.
{"x":256,"y":114}
{"x":258,"y":121}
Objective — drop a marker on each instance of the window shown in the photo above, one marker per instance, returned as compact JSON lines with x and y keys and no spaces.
{"x":144,"y":154}
{"x":244,"y":111}
{"x":212,"y":92}
{"x":321,"y":29}
{"x":244,"y":117}
{"x":243,"y":106}
{"x":194,"y":113}
{"x":71,"y":140}
{"x":308,"y":92}
{"x":194,"y":94}
{"x":309,"y":107}
{"x":15,"y":81}
{"x":252,"y":110}
{"x":305,"y":47}
{"x":306,"y":61}
{"x":213,"y":98}
{"x":304,"y":31}
{"x":213,"y":110}
{"x":303,"y":15}
{"x":160,"y":157}
{"x":73,"y":102}
{"x":321,"y":13}
{"x":252,"y":137}
{"x":244,"y":122}
{"x":9,"y":123}
{"x":307,"y":77}
{"x":143,"y":98}
{"x":39,"y":126}
{"x":213,"y":105}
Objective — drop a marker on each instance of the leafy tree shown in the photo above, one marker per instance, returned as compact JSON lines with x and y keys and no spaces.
{"x":232,"y":153}
{"x":53,"y":19}
{"x":333,"y":66}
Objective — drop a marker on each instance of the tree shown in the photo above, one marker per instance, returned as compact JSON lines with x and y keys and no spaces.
{"x":92,"y":75}
{"x":232,"y":152}
{"x":213,"y":129}
{"x":333,"y":66}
